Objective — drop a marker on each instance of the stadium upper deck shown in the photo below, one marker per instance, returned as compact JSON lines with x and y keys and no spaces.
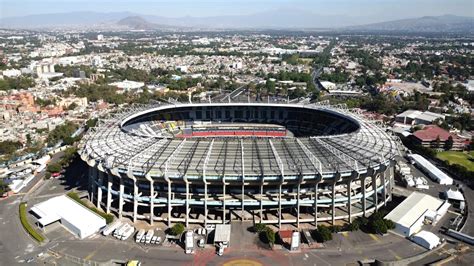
{"x":361,"y":145}
{"x":334,"y":160}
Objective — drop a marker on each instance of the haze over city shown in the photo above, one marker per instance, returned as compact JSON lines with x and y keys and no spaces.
{"x":239,"y":132}
{"x":350,"y":12}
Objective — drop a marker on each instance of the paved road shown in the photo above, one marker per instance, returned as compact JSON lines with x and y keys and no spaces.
{"x":17,"y":246}
{"x":56,"y":157}
{"x":15,"y":243}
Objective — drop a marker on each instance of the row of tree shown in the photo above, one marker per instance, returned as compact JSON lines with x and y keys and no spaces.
{"x":9,"y":147}
{"x":19,"y":83}
{"x":375,"y":224}
{"x":62,"y":132}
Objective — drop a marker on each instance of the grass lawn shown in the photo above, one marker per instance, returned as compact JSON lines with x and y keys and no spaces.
{"x":458,"y":157}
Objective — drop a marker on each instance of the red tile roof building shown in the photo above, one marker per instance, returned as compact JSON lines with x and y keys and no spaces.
{"x":428,"y":137}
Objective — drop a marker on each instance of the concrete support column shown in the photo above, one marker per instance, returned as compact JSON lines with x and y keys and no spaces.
{"x":169,"y":203}
{"x":390,"y":183}
{"x":187,"y":204}
{"x":374,"y":188}
{"x":109,"y":192}
{"x":223,"y":203}
{"x":279,"y":207}
{"x":349,"y":201}
{"x":243,"y":205}
{"x":99,"y":190}
{"x":316,"y":204}
{"x":333,"y":212}
{"x":205,"y":204}
{"x":261,"y":203}
{"x":152,"y":202}
{"x":298,"y":207}
{"x":92,"y":186}
{"x":364,"y":200}
{"x":120,"y":197}
{"x":135,"y":200}
{"x":384,"y":191}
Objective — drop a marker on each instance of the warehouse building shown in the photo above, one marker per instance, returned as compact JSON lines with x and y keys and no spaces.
{"x":418,"y":208}
{"x":76,"y":218}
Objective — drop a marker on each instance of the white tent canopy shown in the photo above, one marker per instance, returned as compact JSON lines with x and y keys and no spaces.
{"x":434,"y":172}
{"x":426,"y":239}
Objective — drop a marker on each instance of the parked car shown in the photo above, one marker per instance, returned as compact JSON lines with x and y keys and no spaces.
{"x":220,"y":252}
{"x":201,"y":243}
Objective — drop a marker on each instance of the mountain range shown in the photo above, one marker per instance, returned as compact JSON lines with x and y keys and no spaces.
{"x":274,"y":19}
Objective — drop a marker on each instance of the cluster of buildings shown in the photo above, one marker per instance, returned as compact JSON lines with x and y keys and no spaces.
{"x":429,"y":134}
{"x":22,"y":119}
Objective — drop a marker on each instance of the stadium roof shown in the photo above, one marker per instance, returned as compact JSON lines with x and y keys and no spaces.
{"x":110,"y":147}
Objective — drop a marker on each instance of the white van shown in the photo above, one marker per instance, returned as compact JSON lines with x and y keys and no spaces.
{"x":189,"y":242}
{"x":149,"y":236}
{"x":139,"y":235}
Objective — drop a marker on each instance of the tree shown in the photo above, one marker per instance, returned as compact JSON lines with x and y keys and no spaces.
{"x":438,"y":142}
{"x":354,"y":226}
{"x":457,"y":125}
{"x":389,"y":224}
{"x":54,"y":168}
{"x":3,"y":187}
{"x":258,"y":228}
{"x":72,"y":106}
{"x":177,"y":229}
{"x":379,"y":226}
{"x":448,"y":144}
{"x":322,"y":234}
{"x":336,"y":228}
{"x":62,"y":132}
{"x":270,"y":86}
{"x":270,"y":236}
{"x":9,"y":147}
{"x":91,"y":122}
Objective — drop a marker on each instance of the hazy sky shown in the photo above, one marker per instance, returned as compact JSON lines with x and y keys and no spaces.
{"x":375,"y":9}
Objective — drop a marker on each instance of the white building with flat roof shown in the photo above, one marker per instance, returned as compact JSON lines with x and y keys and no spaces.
{"x":76,"y":218}
{"x":409,"y":215}
{"x":128,"y":85}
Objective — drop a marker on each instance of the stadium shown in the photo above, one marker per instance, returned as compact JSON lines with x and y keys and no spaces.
{"x":208,"y":163}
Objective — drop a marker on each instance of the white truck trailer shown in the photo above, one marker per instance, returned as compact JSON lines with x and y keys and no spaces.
{"x":110,"y":228}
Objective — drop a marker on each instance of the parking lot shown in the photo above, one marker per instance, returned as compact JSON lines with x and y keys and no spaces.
{"x":244,"y":247}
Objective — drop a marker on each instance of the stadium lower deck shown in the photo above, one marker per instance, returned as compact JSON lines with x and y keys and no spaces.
{"x":338,"y":167}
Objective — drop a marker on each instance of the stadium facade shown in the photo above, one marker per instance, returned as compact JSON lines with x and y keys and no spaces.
{"x":146,"y":162}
